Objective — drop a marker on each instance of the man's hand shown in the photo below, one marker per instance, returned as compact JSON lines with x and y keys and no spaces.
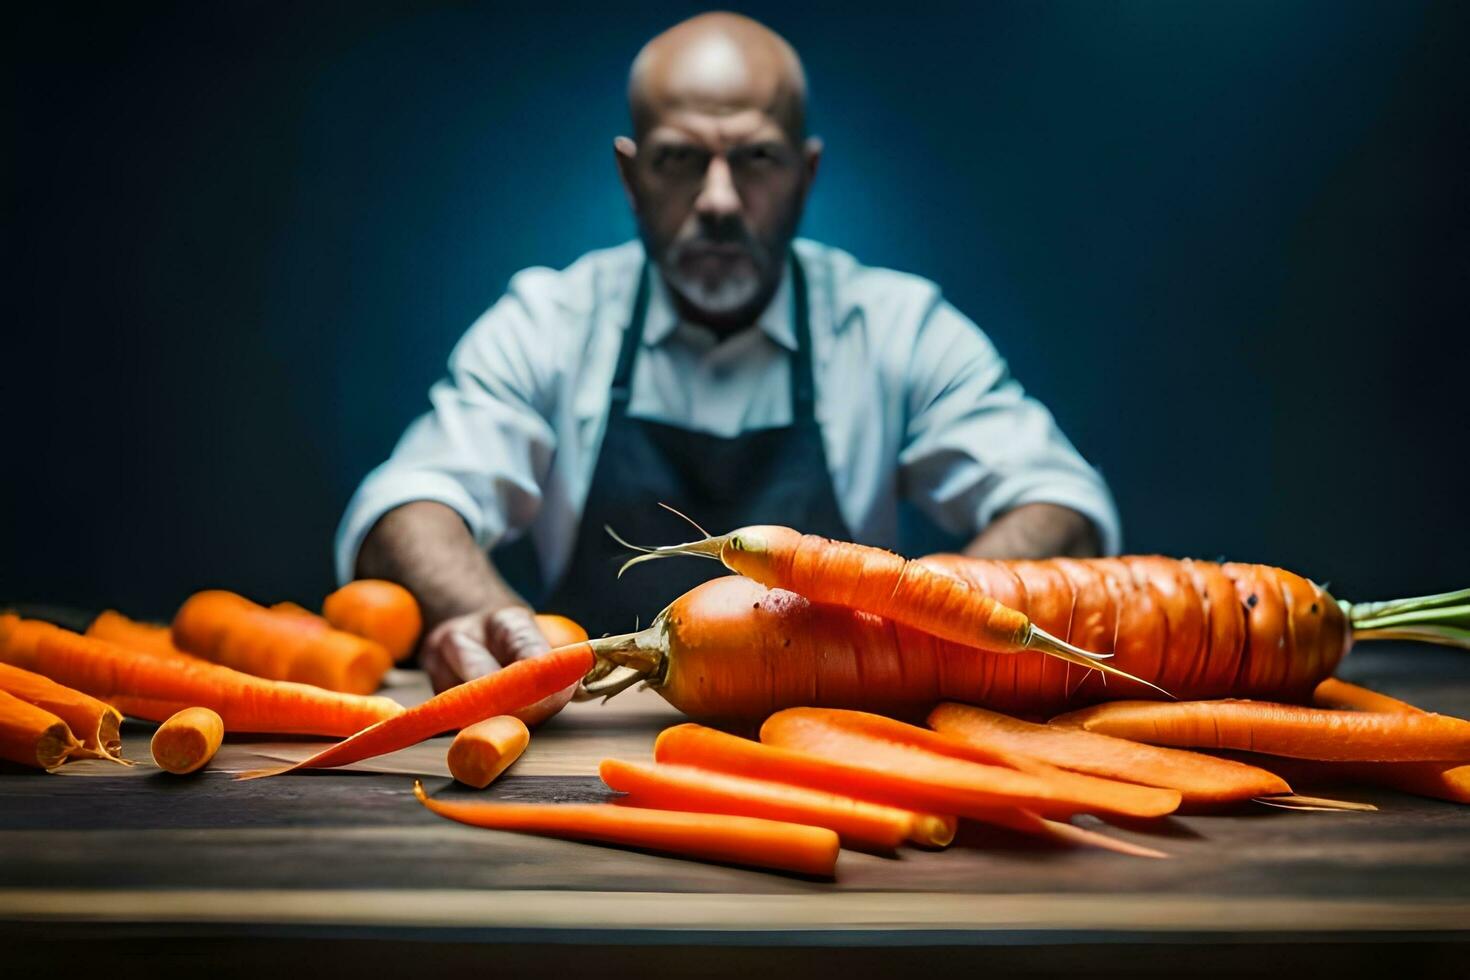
{"x":478,"y":643}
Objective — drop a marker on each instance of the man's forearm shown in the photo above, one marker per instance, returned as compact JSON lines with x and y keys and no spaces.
{"x":426,"y":547}
{"x":1037,"y":531}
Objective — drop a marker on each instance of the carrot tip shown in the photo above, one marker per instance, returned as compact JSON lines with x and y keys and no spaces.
{"x":1292,"y":801}
{"x":418,"y":792}
{"x":262,"y":773}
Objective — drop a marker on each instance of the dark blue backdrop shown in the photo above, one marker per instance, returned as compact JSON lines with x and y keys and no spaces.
{"x":1225,"y":242}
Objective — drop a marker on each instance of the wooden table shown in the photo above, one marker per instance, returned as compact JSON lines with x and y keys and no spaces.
{"x":343,"y":869}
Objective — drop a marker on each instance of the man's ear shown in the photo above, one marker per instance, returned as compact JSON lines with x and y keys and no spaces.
{"x":811,"y":156}
{"x":625,"y":152}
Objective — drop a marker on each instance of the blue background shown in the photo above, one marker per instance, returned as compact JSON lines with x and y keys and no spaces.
{"x":1227,"y":244}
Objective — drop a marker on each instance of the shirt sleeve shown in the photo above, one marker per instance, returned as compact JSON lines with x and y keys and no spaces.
{"x":976,"y":446}
{"x":485,"y":446}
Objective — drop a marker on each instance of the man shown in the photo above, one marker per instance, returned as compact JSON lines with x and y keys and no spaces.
{"x":720,"y":366}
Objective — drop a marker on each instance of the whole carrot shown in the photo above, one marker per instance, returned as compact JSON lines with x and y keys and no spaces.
{"x":32,"y":736}
{"x":187,"y":740}
{"x":867,"y":742}
{"x":708,"y":837}
{"x":114,"y":627}
{"x":1282,"y":729}
{"x":154,"y":686}
{"x":1202,"y":780}
{"x":501,"y":693}
{"x":381,"y":611}
{"x":235,"y":632}
{"x":484,"y":750}
{"x":97,"y":723}
{"x":858,"y":822}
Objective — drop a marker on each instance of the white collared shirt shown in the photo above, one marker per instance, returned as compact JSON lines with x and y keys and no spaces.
{"x":913,"y":401}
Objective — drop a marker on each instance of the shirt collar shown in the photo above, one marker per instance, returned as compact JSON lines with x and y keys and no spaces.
{"x":775,"y":320}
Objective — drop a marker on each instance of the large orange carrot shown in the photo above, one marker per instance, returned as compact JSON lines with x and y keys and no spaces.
{"x":501,"y":693}
{"x":235,"y":632}
{"x":187,"y":740}
{"x":33,"y":736}
{"x":382,"y":611}
{"x":867,"y":741}
{"x":1202,"y":780}
{"x":708,"y":837}
{"x":1281,"y":729}
{"x":484,"y":750}
{"x":880,"y":582}
{"x":154,"y":686}
{"x":95,"y":722}
{"x":114,"y":627}
{"x":858,"y":822}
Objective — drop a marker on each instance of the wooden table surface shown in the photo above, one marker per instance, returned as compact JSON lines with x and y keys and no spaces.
{"x":127,"y":854}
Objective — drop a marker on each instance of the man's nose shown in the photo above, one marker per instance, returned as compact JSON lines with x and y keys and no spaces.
{"x":718,"y":198}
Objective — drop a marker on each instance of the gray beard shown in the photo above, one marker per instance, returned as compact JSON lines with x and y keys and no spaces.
{"x":729,"y":295}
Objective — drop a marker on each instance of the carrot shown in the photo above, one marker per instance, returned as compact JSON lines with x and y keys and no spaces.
{"x":484,"y":750}
{"x":187,"y":740}
{"x":382,"y":611}
{"x":1282,"y":729}
{"x":559,"y":632}
{"x":154,"y":686}
{"x":1202,"y":780}
{"x":880,"y":582}
{"x":868,"y":741}
{"x":33,"y":736}
{"x":503,"y":692}
{"x":114,"y":627}
{"x":96,"y":722}
{"x":1333,"y":693}
{"x":858,"y":822}
{"x":710,"y":837}
{"x":235,"y":632}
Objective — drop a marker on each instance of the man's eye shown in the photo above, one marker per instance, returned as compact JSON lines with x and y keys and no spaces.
{"x":756,"y":157}
{"x":679,"y":160}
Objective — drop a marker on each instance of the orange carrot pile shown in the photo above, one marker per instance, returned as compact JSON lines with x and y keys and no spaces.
{"x":153,"y":686}
{"x":235,"y":632}
{"x":858,"y":822}
{"x":32,"y":736}
{"x":504,"y":692}
{"x":384,"y":612}
{"x":1282,"y":729}
{"x":486,"y":749}
{"x":1202,"y":780}
{"x":187,"y":740}
{"x":710,"y":837}
{"x":96,"y":723}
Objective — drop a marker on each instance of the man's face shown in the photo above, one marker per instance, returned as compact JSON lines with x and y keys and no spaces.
{"x":718,"y":198}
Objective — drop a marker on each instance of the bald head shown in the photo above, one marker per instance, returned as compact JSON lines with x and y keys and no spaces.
{"x":718,"y":64}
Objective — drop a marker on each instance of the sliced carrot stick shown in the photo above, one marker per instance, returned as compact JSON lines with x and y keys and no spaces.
{"x":235,"y":632}
{"x":1202,"y":780}
{"x":708,"y":837}
{"x":382,"y":611}
{"x":33,"y":736}
{"x":486,"y":749}
{"x":1281,"y":729}
{"x":501,"y":693}
{"x":95,"y":722}
{"x":114,"y":627}
{"x":187,"y":741}
{"x":886,"y":746}
{"x":154,"y":686}
{"x":1333,"y":693}
{"x":857,"y":822}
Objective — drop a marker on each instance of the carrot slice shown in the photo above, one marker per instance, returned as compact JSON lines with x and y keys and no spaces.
{"x":1281,"y":729}
{"x":857,"y":822}
{"x":501,"y":693}
{"x":154,"y":686}
{"x":33,"y":736}
{"x":1202,"y":780}
{"x":97,"y":723}
{"x":486,"y":749}
{"x":881,"y":745}
{"x":187,"y":741}
{"x":709,"y":837}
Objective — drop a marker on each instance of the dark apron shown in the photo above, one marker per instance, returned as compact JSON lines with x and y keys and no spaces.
{"x":762,"y":476}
